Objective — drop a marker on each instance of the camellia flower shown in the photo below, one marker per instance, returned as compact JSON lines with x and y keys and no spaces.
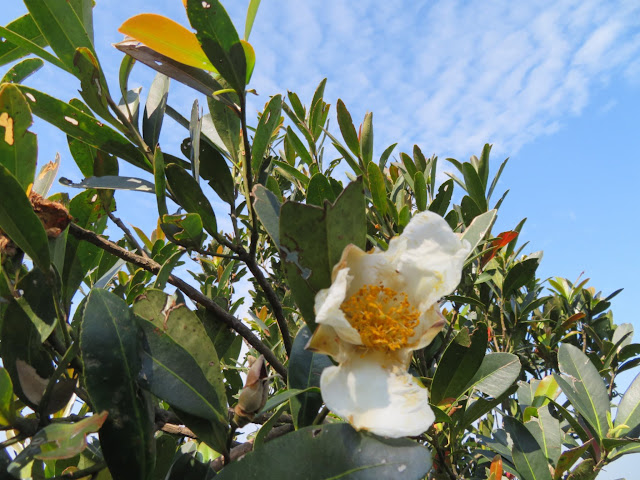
{"x":380,"y":307}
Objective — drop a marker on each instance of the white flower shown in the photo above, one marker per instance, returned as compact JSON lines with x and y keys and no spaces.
{"x":379,"y":308}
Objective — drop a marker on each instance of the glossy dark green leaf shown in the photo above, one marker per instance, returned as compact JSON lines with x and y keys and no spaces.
{"x":519,"y":275}
{"x":85,"y":128}
{"x":165,"y":451}
{"x":219,"y":40}
{"x":313,"y":239}
{"x":377,"y":187}
{"x":227,"y":125}
{"x":109,"y":351}
{"x":347,"y":129}
{"x":459,"y":364}
{"x":583,"y":386}
{"x":80,"y":257}
{"x":94,"y":89}
{"x":18,"y":146}
{"x":527,"y":455}
{"x":61,"y":27}
{"x":366,"y":139}
{"x":269,"y":121}
{"x":291,"y":173}
{"x":214,"y":169}
{"x":22,"y":70}
{"x":420,"y":191}
{"x":440,"y":204}
{"x":470,"y":209}
{"x":189,"y":195}
{"x":483,"y":165}
{"x":184,"y":229}
{"x":497,"y":373}
{"x":154,"y":110}
{"x":305,"y":368}
{"x":27,"y":29}
{"x":474,"y":186}
{"x":354,"y":455}
{"x":22,"y":341}
{"x":298,"y":146}
{"x":267,"y":207}
{"x":319,"y":190}
{"x":20,"y":223}
{"x":409,"y":166}
{"x":420,"y":161}
{"x":6,"y":398}
{"x":385,"y":156}
{"x":628,"y":412}
{"x":37,"y":302}
{"x":546,"y":430}
{"x":180,"y":364}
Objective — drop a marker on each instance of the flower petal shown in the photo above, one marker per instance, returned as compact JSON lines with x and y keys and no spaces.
{"x":431,"y":323}
{"x":384,"y":401}
{"x":429,"y":256}
{"x":327,"y":307}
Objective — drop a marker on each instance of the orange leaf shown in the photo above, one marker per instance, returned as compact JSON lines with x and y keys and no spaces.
{"x":497,"y":243}
{"x":496,"y":467}
{"x":167,"y":38}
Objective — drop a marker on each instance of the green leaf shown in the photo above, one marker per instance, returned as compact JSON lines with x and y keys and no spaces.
{"x":583,"y":386}
{"x":409,"y":166}
{"x":58,"y":441}
{"x":628,"y":412}
{"x":214,"y":169}
{"x":478,"y":229}
{"x":268,"y":426}
{"x":298,"y":146}
{"x":109,"y":352}
{"x":251,"y":16}
{"x":586,"y":470}
{"x":478,"y":407}
{"x":220,"y":41}
{"x":267,"y":126}
{"x":20,"y":223}
{"x":377,"y":187}
{"x":22,"y":341}
{"x":180,"y":363}
{"x":267,"y":207}
{"x":291,"y":173}
{"x":420,"y":191}
{"x":80,"y":257}
{"x":304,"y":454}
{"x":440,"y":204}
{"x":546,"y":430}
{"x":94,"y":91}
{"x":37,"y":302}
{"x":227,"y":125}
{"x":18,"y":146}
{"x":6,"y":398}
{"x":305,"y":368}
{"x":61,"y":27}
{"x":459,"y":364}
{"x":22,"y":70}
{"x":190,"y":196}
{"x":470,"y":209}
{"x":154,"y":110}
{"x":347,"y":129}
{"x":85,"y":128}
{"x":568,"y":458}
{"x":319,"y":190}
{"x":185,"y":230}
{"x":519,"y":275}
{"x":111,"y":182}
{"x":26,"y":28}
{"x":385,"y":156}
{"x":474,"y":186}
{"x":313,"y":240}
{"x":497,"y":372}
{"x":526,"y":453}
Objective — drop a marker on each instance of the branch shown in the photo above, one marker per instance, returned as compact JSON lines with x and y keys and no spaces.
{"x":272,"y":297}
{"x":191,"y":292}
{"x":244,"y":448}
{"x":127,"y":232}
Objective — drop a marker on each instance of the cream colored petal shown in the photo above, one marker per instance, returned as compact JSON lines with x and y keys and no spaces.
{"x":327,"y":307}
{"x":429,"y":257}
{"x":365,"y":268}
{"x":385,"y":401}
{"x":431,"y":323}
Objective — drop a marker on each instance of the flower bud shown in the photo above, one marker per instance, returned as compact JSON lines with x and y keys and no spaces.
{"x":254,"y":394}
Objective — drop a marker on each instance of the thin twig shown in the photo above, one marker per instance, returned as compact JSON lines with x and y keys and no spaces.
{"x":127,"y":233}
{"x":191,"y":292}
{"x":85,"y":472}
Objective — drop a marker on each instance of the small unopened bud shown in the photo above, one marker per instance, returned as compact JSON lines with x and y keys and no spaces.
{"x":254,"y":394}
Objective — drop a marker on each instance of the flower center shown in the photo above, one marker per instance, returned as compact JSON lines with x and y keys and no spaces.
{"x":383,"y":317}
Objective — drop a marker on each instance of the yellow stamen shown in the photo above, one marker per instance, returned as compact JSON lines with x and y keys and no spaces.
{"x":383,"y":317}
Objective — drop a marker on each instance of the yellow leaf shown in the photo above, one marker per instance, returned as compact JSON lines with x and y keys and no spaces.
{"x":167,"y":38}
{"x":250,"y":57}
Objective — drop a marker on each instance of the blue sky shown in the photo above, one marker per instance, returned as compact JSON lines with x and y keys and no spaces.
{"x":554,"y":85}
